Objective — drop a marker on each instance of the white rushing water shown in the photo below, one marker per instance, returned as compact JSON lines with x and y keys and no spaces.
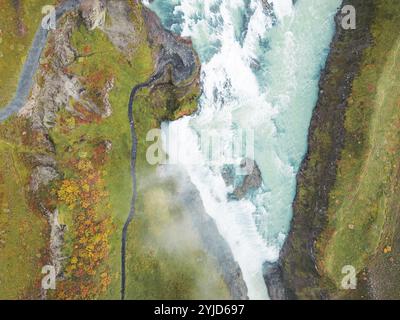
{"x":260,"y":74}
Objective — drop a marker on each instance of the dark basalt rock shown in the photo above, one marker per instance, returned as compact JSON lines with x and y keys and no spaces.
{"x":269,"y":10}
{"x":174,"y":50}
{"x":244,"y":183}
{"x":251,"y":181}
{"x":273,"y":278}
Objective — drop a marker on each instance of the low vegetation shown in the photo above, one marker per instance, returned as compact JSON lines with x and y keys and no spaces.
{"x":152,"y":269}
{"x":23,"y":232}
{"x":360,"y":204}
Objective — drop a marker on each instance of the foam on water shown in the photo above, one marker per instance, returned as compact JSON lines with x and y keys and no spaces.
{"x":260,"y":73}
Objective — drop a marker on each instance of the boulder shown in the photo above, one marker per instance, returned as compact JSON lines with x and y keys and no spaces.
{"x":93,"y":13}
{"x":245,"y":183}
{"x":42,"y":176}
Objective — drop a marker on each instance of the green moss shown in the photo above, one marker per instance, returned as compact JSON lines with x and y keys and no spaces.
{"x":358,"y":205}
{"x":165,"y":258}
{"x":22,"y":232}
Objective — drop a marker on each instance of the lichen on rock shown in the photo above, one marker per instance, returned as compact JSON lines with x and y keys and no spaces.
{"x":93,"y":13}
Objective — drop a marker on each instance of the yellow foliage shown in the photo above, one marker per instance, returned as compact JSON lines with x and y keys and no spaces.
{"x":85,"y":165}
{"x":69,"y":192}
{"x":387,"y":249}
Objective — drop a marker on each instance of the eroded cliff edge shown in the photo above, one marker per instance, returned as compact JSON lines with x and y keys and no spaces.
{"x":296,"y":274}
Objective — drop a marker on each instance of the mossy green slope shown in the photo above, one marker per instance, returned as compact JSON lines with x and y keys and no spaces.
{"x":345,"y":208}
{"x":23,"y":232}
{"x":360,"y":201}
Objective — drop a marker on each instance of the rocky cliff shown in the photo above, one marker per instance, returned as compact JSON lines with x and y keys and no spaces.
{"x":296,"y":275}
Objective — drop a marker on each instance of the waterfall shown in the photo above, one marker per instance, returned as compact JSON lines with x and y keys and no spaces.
{"x":260,"y":71}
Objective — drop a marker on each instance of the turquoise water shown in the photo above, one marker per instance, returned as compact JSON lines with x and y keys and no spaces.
{"x":260,"y":73}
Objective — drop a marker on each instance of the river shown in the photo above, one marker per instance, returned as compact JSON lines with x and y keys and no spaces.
{"x":260,"y":73}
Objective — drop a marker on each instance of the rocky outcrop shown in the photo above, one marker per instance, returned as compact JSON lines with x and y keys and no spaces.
{"x":93,"y":13}
{"x":273,"y":279}
{"x":173,"y":50}
{"x":63,"y":50}
{"x":58,"y":87}
{"x":106,"y":98}
{"x":42,"y":176}
{"x":121,"y":31}
{"x":247,"y":180}
{"x":57,"y":231}
{"x":251,"y":181}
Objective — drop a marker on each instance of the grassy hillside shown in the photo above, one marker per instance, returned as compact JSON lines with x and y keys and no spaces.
{"x":22,"y":232}
{"x":153,"y":270}
{"x":361,"y":202}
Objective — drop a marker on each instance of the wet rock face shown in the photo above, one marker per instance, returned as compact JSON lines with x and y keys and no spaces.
{"x":93,"y":13}
{"x":268,"y":8}
{"x":244,"y":184}
{"x":251,"y":181}
{"x":121,"y":31}
{"x":174,"y":51}
{"x":273,"y":279}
